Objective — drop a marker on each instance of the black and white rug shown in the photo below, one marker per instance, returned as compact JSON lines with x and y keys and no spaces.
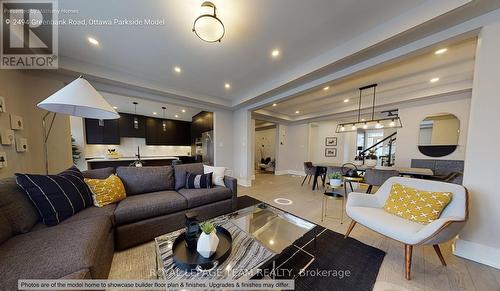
{"x":339,"y":264}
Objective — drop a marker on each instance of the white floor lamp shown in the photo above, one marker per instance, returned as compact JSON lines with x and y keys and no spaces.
{"x":78,"y":98}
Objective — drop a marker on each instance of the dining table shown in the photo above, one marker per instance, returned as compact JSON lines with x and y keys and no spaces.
{"x":407,"y":171}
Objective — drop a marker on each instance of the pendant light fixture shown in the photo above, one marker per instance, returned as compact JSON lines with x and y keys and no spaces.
{"x":136,"y":119}
{"x":207,"y":26}
{"x":164,"y":123}
{"x":392,"y":121}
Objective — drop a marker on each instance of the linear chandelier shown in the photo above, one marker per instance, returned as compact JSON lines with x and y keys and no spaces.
{"x":387,"y":122}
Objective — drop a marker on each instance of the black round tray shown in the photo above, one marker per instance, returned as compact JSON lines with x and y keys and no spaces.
{"x":188,"y":260}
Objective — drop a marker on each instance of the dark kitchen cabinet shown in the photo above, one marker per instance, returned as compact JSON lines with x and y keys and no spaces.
{"x":127,"y":128}
{"x":202,"y":122}
{"x":167,"y":132}
{"x":102,"y":132}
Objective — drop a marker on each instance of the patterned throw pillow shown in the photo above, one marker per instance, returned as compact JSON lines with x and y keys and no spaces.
{"x":106,"y":191}
{"x":194,"y":181}
{"x":416,"y":205}
{"x":56,"y":197}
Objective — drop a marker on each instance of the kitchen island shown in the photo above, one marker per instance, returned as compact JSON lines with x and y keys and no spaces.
{"x":105,"y":162}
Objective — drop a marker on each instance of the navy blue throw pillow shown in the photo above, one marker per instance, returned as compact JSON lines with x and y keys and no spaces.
{"x":57,"y":197}
{"x":194,"y":181}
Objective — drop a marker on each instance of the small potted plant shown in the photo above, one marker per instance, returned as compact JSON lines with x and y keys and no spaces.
{"x":335,"y":179}
{"x":371,"y":159}
{"x":208,"y":240}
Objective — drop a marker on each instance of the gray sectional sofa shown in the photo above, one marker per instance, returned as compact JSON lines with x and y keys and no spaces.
{"x":83,"y":245}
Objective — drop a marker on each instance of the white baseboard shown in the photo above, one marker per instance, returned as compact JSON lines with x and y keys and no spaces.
{"x":290,"y":172}
{"x":279,"y":173}
{"x":245,"y":183}
{"x":296,"y":173}
{"x":477,"y":252}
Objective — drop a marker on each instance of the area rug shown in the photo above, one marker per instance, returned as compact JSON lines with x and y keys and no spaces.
{"x":339,"y":264}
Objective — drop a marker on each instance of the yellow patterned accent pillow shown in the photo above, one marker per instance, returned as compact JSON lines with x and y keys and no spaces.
{"x":106,"y":191}
{"x":416,"y":205}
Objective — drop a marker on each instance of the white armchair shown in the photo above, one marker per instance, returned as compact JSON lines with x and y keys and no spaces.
{"x":368,"y":210}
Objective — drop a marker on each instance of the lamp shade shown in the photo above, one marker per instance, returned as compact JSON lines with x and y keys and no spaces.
{"x":79,"y":98}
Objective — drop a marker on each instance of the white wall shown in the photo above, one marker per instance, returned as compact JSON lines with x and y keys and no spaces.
{"x":242,"y":147}
{"x":413,"y":113}
{"x":265,"y":144}
{"x":292,"y":154}
{"x":480,"y":239}
{"x":223,"y":140}
{"x":346,"y":143}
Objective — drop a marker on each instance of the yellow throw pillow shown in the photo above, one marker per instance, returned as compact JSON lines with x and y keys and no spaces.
{"x":106,"y":191}
{"x":416,"y":205}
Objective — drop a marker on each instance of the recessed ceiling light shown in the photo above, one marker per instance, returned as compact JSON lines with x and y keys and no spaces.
{"x":176,"y":116}
{"x":114,"y":107}
{"x":275,"y":53}
{"x":183,"y":110}
{"x":326,"y":88}
{"x":154,"y":113}
{"x":177,"y":69}
{"x":297,"y":112}
{"x":93,"y":41}
{"x":227,"y":85}
{"x":440,"y":51}
{"x":274,"y":104}
{"x":346,"y":100}
{"x":434,"y":80}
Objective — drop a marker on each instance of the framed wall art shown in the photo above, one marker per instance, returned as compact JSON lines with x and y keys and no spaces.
{"x":16,"y":122}
{"x":3,"y":107}
{"x":7,"y":136}
{"x":331,"y":141}
{"x":331,"y":152}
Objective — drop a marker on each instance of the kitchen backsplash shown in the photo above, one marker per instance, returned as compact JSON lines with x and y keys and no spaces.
{"x":128,"y":148}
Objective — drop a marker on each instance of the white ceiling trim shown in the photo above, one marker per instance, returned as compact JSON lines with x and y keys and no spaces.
{"x":137,"y":81}
{"x":414,"y":17}
{"x":459,"y":32}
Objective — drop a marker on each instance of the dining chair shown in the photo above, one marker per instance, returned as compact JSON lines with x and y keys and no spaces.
{"x":368,"y":210}
{"x":376,"y":177}
{"x":310,"y":171}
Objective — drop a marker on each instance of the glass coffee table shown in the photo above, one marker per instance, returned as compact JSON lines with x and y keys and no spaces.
{"x":260,"y":233}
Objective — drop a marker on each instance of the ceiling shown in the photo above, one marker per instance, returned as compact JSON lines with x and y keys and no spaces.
{"x":315,"y":38}
{"x":301,"y":30}
{"x":400,"y":81}
{"x":147,"y":107}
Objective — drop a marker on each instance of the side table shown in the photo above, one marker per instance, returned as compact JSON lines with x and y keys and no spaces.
{"x":330,"y":192}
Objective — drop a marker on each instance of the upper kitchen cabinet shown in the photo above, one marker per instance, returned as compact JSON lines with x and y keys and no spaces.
{"x":102,"y":131}
{"x":202,"y":122}
{"x":167,"y":132}
{"x":128,"y":127}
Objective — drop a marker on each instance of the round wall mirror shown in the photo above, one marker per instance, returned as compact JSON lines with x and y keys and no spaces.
{"x":438,"y":135}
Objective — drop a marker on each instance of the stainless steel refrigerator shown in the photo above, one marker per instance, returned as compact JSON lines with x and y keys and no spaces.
{"x":207,"y":147}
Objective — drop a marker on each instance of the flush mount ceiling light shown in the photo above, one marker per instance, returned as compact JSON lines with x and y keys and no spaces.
{"x":207,"y":26}
{"x":440,"y":51}
{"x":392,"y":121}
{"x":93,"y":41}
